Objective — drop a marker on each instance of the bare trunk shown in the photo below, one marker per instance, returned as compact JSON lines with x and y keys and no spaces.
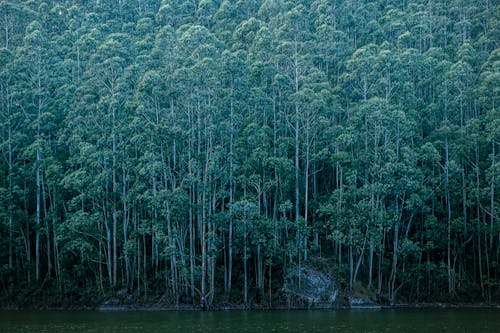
{"x":392,"y":279}
{"x":492,"y":193}
{"x":478,"y":205}
{"x":114,"y":213}
{"x":125,"y":226}
{"x":11,"y":204}
{"x":231,"y":199}
{"x":37,"y":218}
{"x":306,"y":189}
{"x":245,"y":269}
{"x":191,"y":218}
{"x":108,"y":230}
{"x":448,"y":210}
{"x":297,"y":114}
{"x":201,"y":211}
{"x":47,"y":228}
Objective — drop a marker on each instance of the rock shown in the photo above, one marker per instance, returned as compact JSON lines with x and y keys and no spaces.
{"x":310,"y":286}
{"x":362,"y":302}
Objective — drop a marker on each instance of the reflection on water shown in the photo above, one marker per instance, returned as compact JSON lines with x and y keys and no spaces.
{"x":386,"y":321}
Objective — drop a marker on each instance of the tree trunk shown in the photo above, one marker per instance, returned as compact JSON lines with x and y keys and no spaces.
{"x":245,"y":270}
{"x":306,"y":189}
{"x":114,"y":213}
{"x":492,"y":192}
{"x":448,"y":210}
{"x":107,"y":227}
{"x":297,"y":114}
{"x":392,"y":279}
{"x":191,"y":216}
{"x":231,"y":200}
{"x":47,"y":228}
{"x":11,"y":188}
{"x":125,"y":226}
{"x":37,"y":218}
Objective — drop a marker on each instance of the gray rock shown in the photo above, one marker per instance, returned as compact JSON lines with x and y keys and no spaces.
{"x":361,"y":302}
{"x":310,"y":286}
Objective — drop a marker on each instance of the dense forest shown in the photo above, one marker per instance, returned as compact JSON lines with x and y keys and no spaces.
{"x":174,"y":149}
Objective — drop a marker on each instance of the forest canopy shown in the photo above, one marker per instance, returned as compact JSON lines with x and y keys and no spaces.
{"x":178,"y":149}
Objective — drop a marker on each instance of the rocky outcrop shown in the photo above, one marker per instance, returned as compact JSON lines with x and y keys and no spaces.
{"x":310,"y":286}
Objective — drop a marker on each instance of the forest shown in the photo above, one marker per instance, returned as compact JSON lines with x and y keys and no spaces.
{"x":177,"y":149}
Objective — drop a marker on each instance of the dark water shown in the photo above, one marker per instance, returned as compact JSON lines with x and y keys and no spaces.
{"x":414,"y":320}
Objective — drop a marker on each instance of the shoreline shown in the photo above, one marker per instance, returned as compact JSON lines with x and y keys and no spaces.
{"x":187,"y":308}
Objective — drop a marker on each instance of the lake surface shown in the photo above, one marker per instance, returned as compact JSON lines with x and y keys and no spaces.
{"x":386,"y":320}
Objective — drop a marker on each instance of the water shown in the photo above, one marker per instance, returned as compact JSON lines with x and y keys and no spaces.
{"x":386,"y":321}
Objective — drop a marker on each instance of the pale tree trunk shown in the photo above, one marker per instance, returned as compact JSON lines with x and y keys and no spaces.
{"x":351,"y":263}
{"x":492,"y":192}
{"x":370,"y":254}
{"x":170,"y":238}
{"x":54,"y":236}
{"x":260,"y":270}
{"x":399,"y":212}
{"x":191,"y":248}
{"x":306,"y":180}
{"x":340,"y":186}
{"x":212,"y":232}
{"x":173,"y":261}
{"x":192,"y":234}
{"x":144,"y":267}
{"x":11,"y":204}
{"x":138,"y":257}
{"x":478,"y":205}
{"x":381,"y":254}
{"x":138,"y":249}
{"x":47,"y":228}
{"x":204,"y":207}
{"x":201,"y":211}
{"x":392,"y":277}
{"x":360,"y":258}
{"x":109,"y":259}
{"x":125,"y":224}
{"x":26,"y":236}
{"x":6,"y":31}
{"x":114,"y":213}
{"x":38,"y":189}
{"x":245,"y":269}
{"x":448,"y":210}
{"x":231,"y":200}
{"x":99,"y":227}
{"x":296,"y":129}
{"x":315,"y":198}
{"x":276,"y":178}
{"x":464,"y":201}
{"x":37,"y":218}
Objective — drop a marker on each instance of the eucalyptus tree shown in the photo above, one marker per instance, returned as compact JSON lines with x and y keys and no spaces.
{"x":102,"y":83}
{"x":33,"y":97}
{"x":294,"y":63}
{"x":487,"y":93}
{"x":235,"y":85}
{"x":11,"y":121}
{"x":15,"y":18}
{"x":245,"y":213}
{"x":201,"y":49}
